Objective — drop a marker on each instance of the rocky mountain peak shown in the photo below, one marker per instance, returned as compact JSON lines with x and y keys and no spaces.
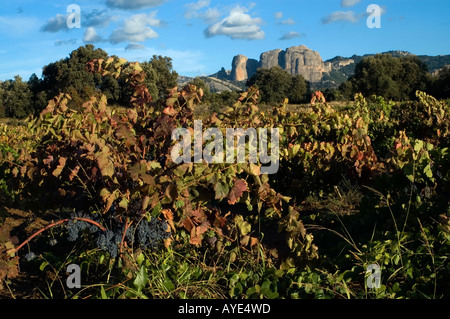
{"x":295,"y":60}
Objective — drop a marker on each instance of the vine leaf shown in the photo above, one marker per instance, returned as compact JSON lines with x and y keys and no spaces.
{"x":168,"y":215}
{"x":172,"y":192}
{"x":240,"y":186}
{"x":60,"y":167}
{"x":221,"y":190}
{"x":106,"y":167}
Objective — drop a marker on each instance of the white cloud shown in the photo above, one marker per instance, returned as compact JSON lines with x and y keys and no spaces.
{"x":193,"y":8}
{"x":136,"y":28}
{"x":349,"y":3}
{"x":97,"y":18}
{"x":211,"y":15}
{"x":194,"y":11}
{"x":133,"y":4}
{"x":278,"y":15}
{"x":346,"y":16}
{"x":237,"y":25}
{"x":91,"y":36}
{"x":59,"y":43}
{"x":55,"y":24}
{"x":134,"y":46}
{"x":288,"y":22}
{"x":292,"y":35}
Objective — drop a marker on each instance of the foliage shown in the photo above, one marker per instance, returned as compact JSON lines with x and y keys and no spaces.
{"x":276,"y":84}
{"x":15,"y":98}
{"x":441,"y":86}
{"x":166,"y":77}
{"x":394,"y":78}
{"x":358,"y":184}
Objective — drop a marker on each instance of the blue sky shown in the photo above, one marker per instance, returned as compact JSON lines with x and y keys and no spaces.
{"x":202,"y":36}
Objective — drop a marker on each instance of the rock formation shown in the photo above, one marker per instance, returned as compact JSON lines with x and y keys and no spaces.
{"x":301,"y":60}
{"x":270,"y":59}
{"x":295,"y":60}
{"x":243,"y":68}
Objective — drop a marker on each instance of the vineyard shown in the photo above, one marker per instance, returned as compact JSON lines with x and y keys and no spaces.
{"x":359,"y":184}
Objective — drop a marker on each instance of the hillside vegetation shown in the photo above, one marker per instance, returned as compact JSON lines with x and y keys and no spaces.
{"x":359,"y":184}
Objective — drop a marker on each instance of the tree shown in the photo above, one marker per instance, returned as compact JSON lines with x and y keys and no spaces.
{"x":2,"y":97}
{"x":441,"y":85}
{"x":299,"y":89}
{"x":274,"y":84}
{"x":17,"y":98}
{"x":69,"y":75}
{"x":165,"y":77}
{"x":40,"y":98}
{"x":394,"y":78}
{"x":151,"y":79}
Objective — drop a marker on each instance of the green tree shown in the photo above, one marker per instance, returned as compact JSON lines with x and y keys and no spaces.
{"x":394,"y":78}
{"x":441,"y":85}
{"x":274,"y":84}
{"x":151,"y":79}
{"x":69,"y":75}
{"x":40,"y":98}
{"x":17,"y":98}
{"x":165,"y":78}
{"x":299,"y":89}
{"x":2,"y":97}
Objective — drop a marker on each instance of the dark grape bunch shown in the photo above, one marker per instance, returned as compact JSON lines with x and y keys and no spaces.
{"x":109,"y":241}
{"x":75,"y":226}
{"x":150,"y":233}
{"x":147,"y":234}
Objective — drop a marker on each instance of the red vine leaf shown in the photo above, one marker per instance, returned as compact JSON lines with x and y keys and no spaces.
{"x":195,"y":239}
{"x":168,"y":215}
{"x":240,"y":186}
{"x":170,"y":111}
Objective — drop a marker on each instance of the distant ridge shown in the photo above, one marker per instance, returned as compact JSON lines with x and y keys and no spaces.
{"x":301,"y":60}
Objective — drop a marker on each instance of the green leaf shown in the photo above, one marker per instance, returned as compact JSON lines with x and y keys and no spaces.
{"x":123,"y":203}
{"x":168,"y":284}
{"x":244,"y":226}
{"x":140,"y":259}
{"x":103,"y":293}
{"x":221,"y":190}
{"x":141,"y":279}
{"x":43,"y":265}
{"x":418,"y":146}
{"x":156,"y":210}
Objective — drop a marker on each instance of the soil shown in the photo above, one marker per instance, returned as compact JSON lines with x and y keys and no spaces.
{"x":22,"y":225}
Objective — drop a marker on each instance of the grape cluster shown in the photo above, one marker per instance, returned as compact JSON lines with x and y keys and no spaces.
{"x":150,"y":233}
{"x":146,"y":234}
{"x":109,"y":241}
{"x":75,"y":226}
